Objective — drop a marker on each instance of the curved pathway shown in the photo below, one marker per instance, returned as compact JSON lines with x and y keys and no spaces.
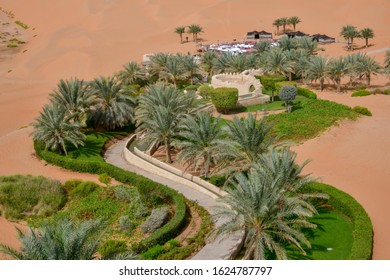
{"x":215,"y":250}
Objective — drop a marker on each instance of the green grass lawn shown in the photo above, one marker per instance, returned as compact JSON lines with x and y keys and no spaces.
{"x":276,"y":105}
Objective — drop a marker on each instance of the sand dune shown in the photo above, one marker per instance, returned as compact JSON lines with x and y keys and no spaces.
{"x":88,"y":38}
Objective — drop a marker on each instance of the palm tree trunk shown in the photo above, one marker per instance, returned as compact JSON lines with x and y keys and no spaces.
{"x":294,"y":27}
{"x":206,"y":166}
{"x":277,"y":28}
{"x":181,"y":38}
{"x":368,"y":79}
{"x":168,"y":157}
{"x":338,"y":83}
{"x":366,"y":42}
{"x":321,"y":84}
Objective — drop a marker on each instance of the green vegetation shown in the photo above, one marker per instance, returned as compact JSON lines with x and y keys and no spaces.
{"x":112,"y":247}
{"x":287,"y":94}
{"x":180,"y":30}
{"x":21,"y":24}
{"x":362,"y":92}
{"x":362,"y":110}
{"x":12,"y":46}
{"x":306,"y":93}
{"x":224,"y":99}
{"x":23,"y":197}
{"x":279,"y":85}
{"x":309,"y":119}
{"x":205,"y":91}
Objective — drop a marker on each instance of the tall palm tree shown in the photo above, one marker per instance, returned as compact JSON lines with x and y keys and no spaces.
{"x":336,"y":69}
{"x":352,"y":60}
{"x":284,"y":22}
{"x":367,"y":66}
{"x":294,"y":21}
{"x":190,"y":66}
{"x":301,"y":67}
{"x":262,"y":47}
{"x":54,"y":128}
{"x":157,"y":63}
{"x":249,"y":139}
{"x":271,"y":218}
{"x":287,"y":43}
{"x":200,"y":141}
{"x":317,"y":69}
{"x":308,"y":45}
{"x":276,"y":62}
{"x":350,"y":32}
{"x":131,"y":73}
{"x":173,"y":70}
{"x":195,"y":29}
{"x":113,"y":109}
{"x":72,"y":97}
{"x":207,"y":62}
{"x":277,"y":23}
{"x":180,"y":30}
{"x":63,"y":241}
{"x":367,"y":33}
{"x":240,"y":63}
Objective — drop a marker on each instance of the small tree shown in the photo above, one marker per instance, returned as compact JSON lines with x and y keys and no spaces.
{"x":367,"y":33}
{"x":294,"y":21}
{"x":180,"y":30}
{"x":287,"y":94}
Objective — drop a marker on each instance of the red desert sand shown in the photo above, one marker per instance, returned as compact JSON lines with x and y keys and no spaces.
{"x":88,"y":38}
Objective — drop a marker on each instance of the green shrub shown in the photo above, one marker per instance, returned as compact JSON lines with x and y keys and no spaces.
{"x":192,"y":87}
{"x":224,"y":99}
{"x":71,"y":184}
{"x":361,"y":87}
{"x":306,"y":93}
{"x":21,"y":24}
{"x":205,"y":91}
{"x":386,"y":91}
{"x":160,"y":236}
{"x":268,"y":81}
{"x":153,"y":253}
{"x":84,"y":189}
{"x":121,"y":193}
{"x":279,"y":85}
{"x":287,"y":94}
{"x":376,"y":91}
{"x":12,"y":46}
{"x":218,"y":181}
{"x":25,"y":196}
{"x":125,"y":224}
{"x":362,"y":226}
{"x":112,"y":247}
{"x":104,"y":178}
{"x":362,"y":110}
{"x":156,"y":220}
{"x":361,"y":93}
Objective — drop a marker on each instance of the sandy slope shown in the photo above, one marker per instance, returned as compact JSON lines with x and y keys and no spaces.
{"x":87,"y":38}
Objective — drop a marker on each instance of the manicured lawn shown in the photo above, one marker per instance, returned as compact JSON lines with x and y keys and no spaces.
{"x":276,"y":105}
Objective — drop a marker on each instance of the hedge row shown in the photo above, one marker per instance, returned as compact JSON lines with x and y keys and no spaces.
{"x":268,"y":81}
{"x":306,"y":93}
{"x":224,"y":99}
{"x":362,"y":227}
{"x":144,"y":186}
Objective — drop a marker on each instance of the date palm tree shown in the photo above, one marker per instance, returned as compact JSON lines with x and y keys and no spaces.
{"x":72,"y":97}
{"x":277,"y":23}
{"x":190,"y":66}
{"x":317,"y":69}
{"x":195,"y":29}
{"x":287,"y":43}
{"x":284,"y":22}
{"x":367,"y":66}
{"x":55,"y":129}
{"x":308,"y":45}
{"x":180,"y":30}
{"x":207,"y":62}
{"x":294,"y":21}
{"x":240,"y":63}
{"x":336,"y":69}
{"x":201,"y":142}
{"x":113,"y":109}
{"x":350,"y":32}
{"x":157,"y":63}
{"x":276,"y":62}
{"x":65,"y":240}
{"x":132,"y":73}
{"x":367,"y":33}
{"x":173,"y":70}
{"x":271,"y":217}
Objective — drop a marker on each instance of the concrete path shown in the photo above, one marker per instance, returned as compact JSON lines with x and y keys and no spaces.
{"x":379,"y":50}
{"x":215,"y":250}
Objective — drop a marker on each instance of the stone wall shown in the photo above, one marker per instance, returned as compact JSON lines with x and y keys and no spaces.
{"x":242,"y":82}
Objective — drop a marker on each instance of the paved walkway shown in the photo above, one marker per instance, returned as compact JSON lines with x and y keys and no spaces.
{"x":215,"y":250}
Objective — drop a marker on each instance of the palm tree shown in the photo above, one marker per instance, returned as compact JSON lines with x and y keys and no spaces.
{"x":207,"y":62}
{"x":367,"y":66}
{"x":387,"y":59}
{"x":195,"y":29}
{"x":54,"y":128}
{"x":113,"y":109}
{"x":287,"y":43}
{"x":180,"y":30}
{"x":249,"y":139}
{"x":294,"y":21}
{"x":72,"y":97}
{"x":221,"y":62}
{"x":336,"y":69}
{"x":173,"y":70}
{"x":201,"y":141}
{"x":190,"y":66}
{"x":308,"y":45}
{"x":350,"y":32}
{"x":157,"y":63}
{"x":301,"y":67}
{"x":352,"y":60}
{"x":270,"y":216}
{"x":284,"y":22}
{"x":367,"y":33}
{"x":276,"y":62}
{"x":160,"y":111}
{"x":277,"y":23}
{"x":262,"y":47}
{"x":317,"y":69}
{"x":131,"y":73}
{"x":63,"y":241}
{"x":240,"y":63}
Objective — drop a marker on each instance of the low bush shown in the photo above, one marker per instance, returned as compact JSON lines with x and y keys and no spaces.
{"x":153,"y":253}
{"x":362,"y":110}
{"x":156,"y":220}
{"x":112,"y":247}
{"x":362,"y":226}
{"x":218,"y":181}
{"x":386,"y":91}
{"x":104,"y":178}
{"x":361,"y":93}
{"x":25,"y":196}
{"x":287,"y":94}
{"x":125,"y":224}
{"x":205,"y":91}
{"x":268,"y":81}
{"x":224,"y":99}
{"x":121,"y":193}
{"x":84,"y":189}
{"x":306,"y":93}
{"x":279,"y":85}
{"x":192,"y":87}
{"x":71,"y":184}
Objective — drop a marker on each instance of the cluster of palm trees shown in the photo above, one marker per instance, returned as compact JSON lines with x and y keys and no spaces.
{"x":350,"y":32}
{"x":103,"y":103}
{"x":284,"y":21}
{"x":194,"y":29}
